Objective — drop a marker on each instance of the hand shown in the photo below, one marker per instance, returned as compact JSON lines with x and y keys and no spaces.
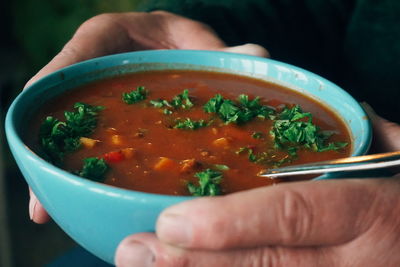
{"x":115,"y":33}
{"x":322,"y":223}
{"x":122,"y":32}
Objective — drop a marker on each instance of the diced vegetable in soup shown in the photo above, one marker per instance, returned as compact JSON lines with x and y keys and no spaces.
{"x":185,"y":132}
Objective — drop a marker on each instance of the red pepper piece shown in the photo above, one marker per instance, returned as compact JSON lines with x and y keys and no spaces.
{"x":114,"y":157}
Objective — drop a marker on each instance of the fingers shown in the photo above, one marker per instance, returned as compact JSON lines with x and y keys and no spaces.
{"x":98,"y":36}
{"x":121,"y":32}
{"x":36,"y":211}
{"x":146,"y":250}
{"x":386,"y":133}
{"x":248,"y":49}
{"x":295,"y":214}
{"x":182,"y":33}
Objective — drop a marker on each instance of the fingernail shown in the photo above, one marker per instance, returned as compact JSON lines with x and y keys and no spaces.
{"x":174,"y":229}
{"x":369,"y":110}
{"x":133,"y":253}
{"x":32,"y":204}
{"x":248,"y":49}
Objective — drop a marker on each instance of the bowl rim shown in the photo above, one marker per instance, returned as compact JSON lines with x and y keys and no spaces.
{"x":15,"y":139}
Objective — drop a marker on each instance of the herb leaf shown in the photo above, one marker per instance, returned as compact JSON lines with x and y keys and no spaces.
{"x":257,"y":135}
{"x":51,"y":135}
{"x":189,"y":124}
{"x":221,"y":167}
{"x":180,"y":101}
{"x":59,"y":137}
{"x":241,"y":111}
{"x":160,"y":103}
{"x":94,"y":169}
{"x":267,"y":157}
{"x":214,"y":104}
{"x":294,"y":128}
{"x":209,"y":183}
{"x":83,"y":120}
{"x":135,"y":96}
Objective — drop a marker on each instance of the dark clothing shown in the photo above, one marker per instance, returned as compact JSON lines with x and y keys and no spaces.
{"x":354,"y":43}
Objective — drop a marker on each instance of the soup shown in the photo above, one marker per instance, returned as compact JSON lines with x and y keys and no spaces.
{"x":183,"y":132}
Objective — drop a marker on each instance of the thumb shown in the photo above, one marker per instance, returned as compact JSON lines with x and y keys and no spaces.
{"x":386,"y":133}
{"x":248,"y":49}
{"x":291,"y":214}
{"x":146,"y":250}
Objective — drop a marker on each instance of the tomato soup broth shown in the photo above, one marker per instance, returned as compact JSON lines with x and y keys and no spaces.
{"x":154,"y":145}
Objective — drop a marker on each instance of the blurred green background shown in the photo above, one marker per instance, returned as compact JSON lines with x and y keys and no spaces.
{"x":32,"y":33}
{"x":41,"y":28}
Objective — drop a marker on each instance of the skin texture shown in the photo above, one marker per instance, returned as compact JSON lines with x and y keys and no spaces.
{"x":358,"y":226}
{"x":352,"y":222}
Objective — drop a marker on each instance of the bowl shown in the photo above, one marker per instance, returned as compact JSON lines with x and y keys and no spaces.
{"x":99,"y":216}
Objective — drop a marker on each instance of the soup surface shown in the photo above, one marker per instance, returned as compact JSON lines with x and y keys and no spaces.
{"x":185,"y":132}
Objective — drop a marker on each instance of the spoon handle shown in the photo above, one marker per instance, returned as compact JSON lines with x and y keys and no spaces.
{"x":367,"y":162}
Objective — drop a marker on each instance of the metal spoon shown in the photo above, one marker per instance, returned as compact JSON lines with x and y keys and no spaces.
{"x":367,"y":162}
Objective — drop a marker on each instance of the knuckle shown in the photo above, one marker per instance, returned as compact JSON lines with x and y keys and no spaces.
{"x":263,"y":257}
{"x":101,"y":18}
{"x":105,"y":20}
{"x":69,"y":51}
{"x":260,"y":259}
{"x":161,"y":13}
{"x":176,"y":20}
{"x":295,"y":218}
{"x":272,"y":258}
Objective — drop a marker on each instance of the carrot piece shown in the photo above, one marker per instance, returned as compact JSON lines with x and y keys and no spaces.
{"x":165,"y":164}
{"x":116,"y":139}
{"x":222,"y":142}
{"x":88,"y":142}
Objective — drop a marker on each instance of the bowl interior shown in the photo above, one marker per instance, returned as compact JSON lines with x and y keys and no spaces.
{"x":290,"y":76}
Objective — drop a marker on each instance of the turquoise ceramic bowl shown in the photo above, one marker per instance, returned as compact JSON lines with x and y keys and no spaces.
{"x":98,"y":216}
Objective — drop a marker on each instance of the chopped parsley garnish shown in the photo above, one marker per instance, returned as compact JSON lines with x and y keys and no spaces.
{"x":257,"y":135}
{"x":221,"y":167}
{"x":83,"y":120}
{"x":60,"y":137}
{"x":135,"y":96}
{"x":94,"y":169}
{"x":266,"y":158}
{"x":251,"y":156}
{"x":294,"y":129}
{"x":180,"y":101}
{"x":160,"y":103}
{"x":189,"y":124}
{"x":241,"y":111}
{"x":52,"y":137}
{"x":209,"y":183}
